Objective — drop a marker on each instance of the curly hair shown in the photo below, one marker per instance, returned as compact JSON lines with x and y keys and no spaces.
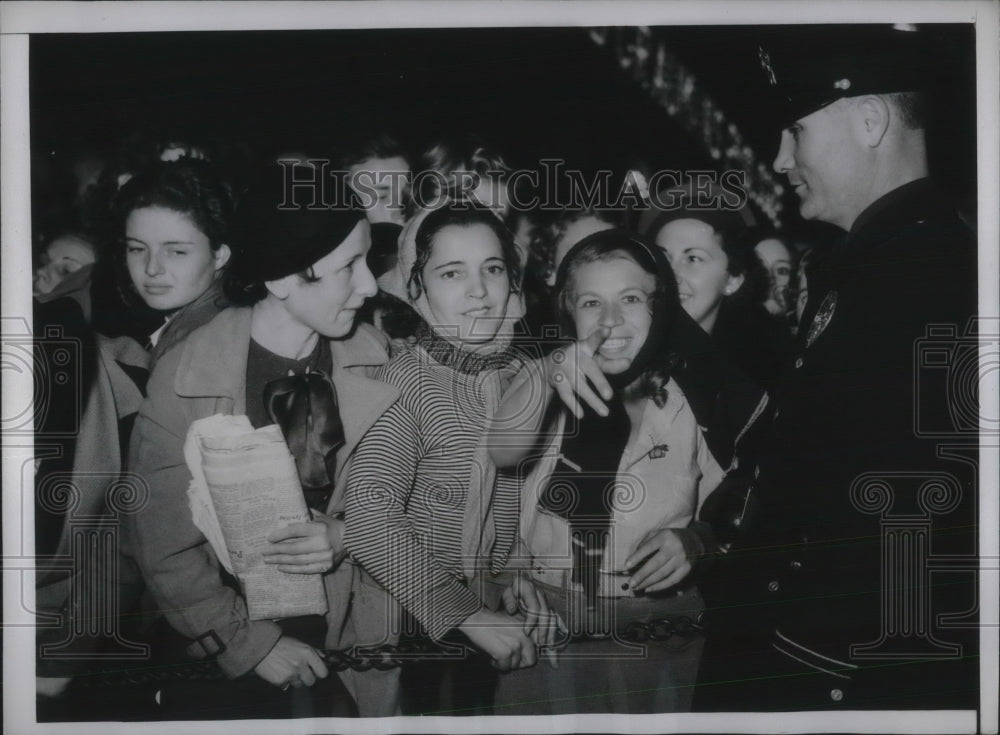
{"x":445,"y":160}
{"x":542,"y":247}
{"x":191,"y":187}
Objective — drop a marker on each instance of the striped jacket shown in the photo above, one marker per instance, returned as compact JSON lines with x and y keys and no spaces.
{"x":425,"y":507}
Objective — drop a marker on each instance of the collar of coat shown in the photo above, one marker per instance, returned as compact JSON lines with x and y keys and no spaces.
{"x":918,"y":200}
{"x":224,"y":342}
{"x":213,"y":364}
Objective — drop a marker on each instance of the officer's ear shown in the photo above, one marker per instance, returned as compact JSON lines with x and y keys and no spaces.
{"x":873,"y":115}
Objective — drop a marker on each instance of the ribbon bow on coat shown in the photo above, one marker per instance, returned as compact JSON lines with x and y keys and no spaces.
{"x":306,"y":408}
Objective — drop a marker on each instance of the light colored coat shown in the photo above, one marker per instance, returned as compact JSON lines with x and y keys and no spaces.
{"x":203,"y":376}
{"x":664,"y":476}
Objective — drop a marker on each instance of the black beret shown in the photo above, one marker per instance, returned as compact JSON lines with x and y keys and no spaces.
{"x":289,"y":218}
{"x":809,"y":68}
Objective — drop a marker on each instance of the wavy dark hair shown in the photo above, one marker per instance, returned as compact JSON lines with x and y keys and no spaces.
{"x":468,"y":153}
{"x":461,"y":214}
{"x":656,"y":360}
{"x":191,"y":187}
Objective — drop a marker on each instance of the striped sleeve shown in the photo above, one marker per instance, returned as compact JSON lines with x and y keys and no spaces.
{"x":506,"y":513}
{"x":380,"y":535}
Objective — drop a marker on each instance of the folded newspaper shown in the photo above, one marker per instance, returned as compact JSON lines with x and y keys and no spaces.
{"x":244,"y":486}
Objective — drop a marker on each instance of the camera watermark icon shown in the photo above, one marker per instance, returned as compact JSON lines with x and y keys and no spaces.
{"x":907,"y":562}
{"x":87,"y":564}
{"x":53,"y":407}
{"x":949,"y":368}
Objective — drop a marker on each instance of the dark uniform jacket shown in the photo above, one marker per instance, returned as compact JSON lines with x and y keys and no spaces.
{"x":859,"y":417}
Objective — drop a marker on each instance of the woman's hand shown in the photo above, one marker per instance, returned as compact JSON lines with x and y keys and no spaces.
{"x":567,"y":370}
{"x":541,"y":623}
{"x":312,"y":547}
{"x":663,"y":558}
{"x":291,"y":663}
{"x":501,"y":637}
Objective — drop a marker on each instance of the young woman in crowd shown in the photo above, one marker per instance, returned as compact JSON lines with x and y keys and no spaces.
{"x":168,"y":240}
{"x":615,"y":479}
{"x":65,"y":254}
{"x":720,"y":281}
{"x":428,"y":517}
{"x":778,"y":260}
{"x":171,"y":246}
{"x":297,"y":278}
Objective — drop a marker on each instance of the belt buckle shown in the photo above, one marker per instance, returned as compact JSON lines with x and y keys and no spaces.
{"x":614,"y":584}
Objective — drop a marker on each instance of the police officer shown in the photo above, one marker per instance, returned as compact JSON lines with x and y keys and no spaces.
{"x":831,"y":604}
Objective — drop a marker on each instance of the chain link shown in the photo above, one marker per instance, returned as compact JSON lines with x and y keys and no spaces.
{"x":680,"y":626}
{"x":380,"y":658}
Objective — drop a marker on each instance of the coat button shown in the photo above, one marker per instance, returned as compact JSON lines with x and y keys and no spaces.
{"x":773,"y":585}
{"x":796,"y":564}
{"x":836,"y":695}
{"x":756,"y":471}
{"x":798,"y":362}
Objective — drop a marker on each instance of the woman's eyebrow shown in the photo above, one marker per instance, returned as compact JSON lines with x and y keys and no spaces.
{"x":449,"y":263}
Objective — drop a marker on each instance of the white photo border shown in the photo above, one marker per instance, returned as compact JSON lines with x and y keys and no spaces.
{"x":19,"y":20}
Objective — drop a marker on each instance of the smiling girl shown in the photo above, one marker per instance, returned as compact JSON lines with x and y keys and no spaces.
{"x":613,"y":487}
{"x":721,"y":282}
{"x":427,"y":516}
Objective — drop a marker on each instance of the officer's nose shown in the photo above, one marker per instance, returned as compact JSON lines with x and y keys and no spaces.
{"x":784,"y":161}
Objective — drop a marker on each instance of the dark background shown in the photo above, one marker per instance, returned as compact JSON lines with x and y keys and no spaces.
{"x":533,"y":92}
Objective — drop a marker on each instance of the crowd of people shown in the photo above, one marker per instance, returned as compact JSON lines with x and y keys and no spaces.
{"x":599,"y":460}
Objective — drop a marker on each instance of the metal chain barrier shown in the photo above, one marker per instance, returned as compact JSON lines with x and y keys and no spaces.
{"x":380,"y":658}
{"x":665,"y":629}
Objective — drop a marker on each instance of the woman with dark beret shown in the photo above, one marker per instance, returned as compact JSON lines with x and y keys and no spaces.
{"x":297,"y":279}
